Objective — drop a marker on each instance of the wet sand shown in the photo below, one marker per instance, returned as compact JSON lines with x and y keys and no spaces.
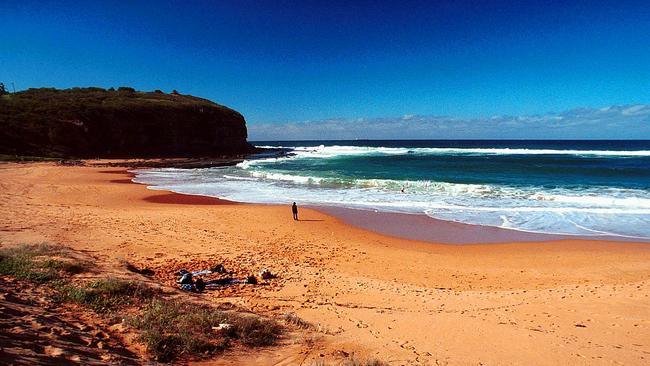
{"x":573,"y":302}
{"x":424,"y":228}
{"x":184,"y":199}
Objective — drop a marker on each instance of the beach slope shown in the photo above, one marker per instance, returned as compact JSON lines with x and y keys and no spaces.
{"x":565,"y":302}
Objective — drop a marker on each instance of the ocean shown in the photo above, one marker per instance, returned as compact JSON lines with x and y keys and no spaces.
{"x":583,"y":188}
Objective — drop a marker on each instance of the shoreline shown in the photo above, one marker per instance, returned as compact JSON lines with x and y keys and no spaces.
{"x":416,"y":226}
{"x":424,"y":228}
{"x":408,"y":302}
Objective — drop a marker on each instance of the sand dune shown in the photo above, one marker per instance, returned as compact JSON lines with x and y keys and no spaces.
{"x":401,"y":301}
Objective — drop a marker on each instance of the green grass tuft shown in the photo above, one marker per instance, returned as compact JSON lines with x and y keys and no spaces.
{"x":368,"y":362}
{"x":254,"y":331}
{"x":106,"y":295}
{"x":171,"y":328}
{"x":27,"y":262}
{"x":32,"y":249}
{"x":292,"y":318}
{"x":354,"y":361}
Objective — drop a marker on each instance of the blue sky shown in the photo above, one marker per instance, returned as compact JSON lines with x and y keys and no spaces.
{"x":280,"y":62}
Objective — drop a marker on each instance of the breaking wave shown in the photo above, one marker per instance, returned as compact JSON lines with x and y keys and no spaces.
{"x":609,"y":198}
{"x":323,"y":151}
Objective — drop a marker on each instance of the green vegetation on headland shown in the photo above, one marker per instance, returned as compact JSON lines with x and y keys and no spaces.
{"x":117,"y":123}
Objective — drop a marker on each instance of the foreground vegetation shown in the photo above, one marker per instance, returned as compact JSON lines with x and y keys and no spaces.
{"x":354,"y":361}
{"x":35,"y":263}
{"x":170,"y":328}
{"x":173,"y":327}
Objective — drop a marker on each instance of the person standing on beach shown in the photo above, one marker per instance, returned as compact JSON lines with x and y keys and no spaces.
{"x":294,"y":209}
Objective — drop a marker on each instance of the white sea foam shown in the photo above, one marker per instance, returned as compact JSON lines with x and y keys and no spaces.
{"x":575,"y":211}
{"x":331,"y":151}
{"x":587,"y":211}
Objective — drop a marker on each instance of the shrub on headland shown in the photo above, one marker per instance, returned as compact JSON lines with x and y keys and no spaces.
{"x":96,"y":122}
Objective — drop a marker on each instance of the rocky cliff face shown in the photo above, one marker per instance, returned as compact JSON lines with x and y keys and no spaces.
{"x":93,"y":122}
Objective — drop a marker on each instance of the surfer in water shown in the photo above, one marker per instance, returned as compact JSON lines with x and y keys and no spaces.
{"x":294,"y":210}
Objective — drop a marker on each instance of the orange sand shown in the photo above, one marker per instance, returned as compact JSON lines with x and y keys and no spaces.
{"x":405,"y":302}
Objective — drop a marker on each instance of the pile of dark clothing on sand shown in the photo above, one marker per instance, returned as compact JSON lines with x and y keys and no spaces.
{"x":188,"y":282}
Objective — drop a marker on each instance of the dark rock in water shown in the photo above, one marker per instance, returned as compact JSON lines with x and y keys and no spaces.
{"x":123,"y":123}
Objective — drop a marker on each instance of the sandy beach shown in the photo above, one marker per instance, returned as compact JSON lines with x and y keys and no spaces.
{"x":571,"y":302}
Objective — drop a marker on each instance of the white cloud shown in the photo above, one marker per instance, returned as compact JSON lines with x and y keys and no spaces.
{"x":615,"y":122}
{"x":634,"y":109}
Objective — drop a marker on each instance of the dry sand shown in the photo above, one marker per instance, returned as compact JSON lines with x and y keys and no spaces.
{"x":401,"y":301}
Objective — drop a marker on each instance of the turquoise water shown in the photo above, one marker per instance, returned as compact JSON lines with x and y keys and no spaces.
{"x":566,"y":187}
